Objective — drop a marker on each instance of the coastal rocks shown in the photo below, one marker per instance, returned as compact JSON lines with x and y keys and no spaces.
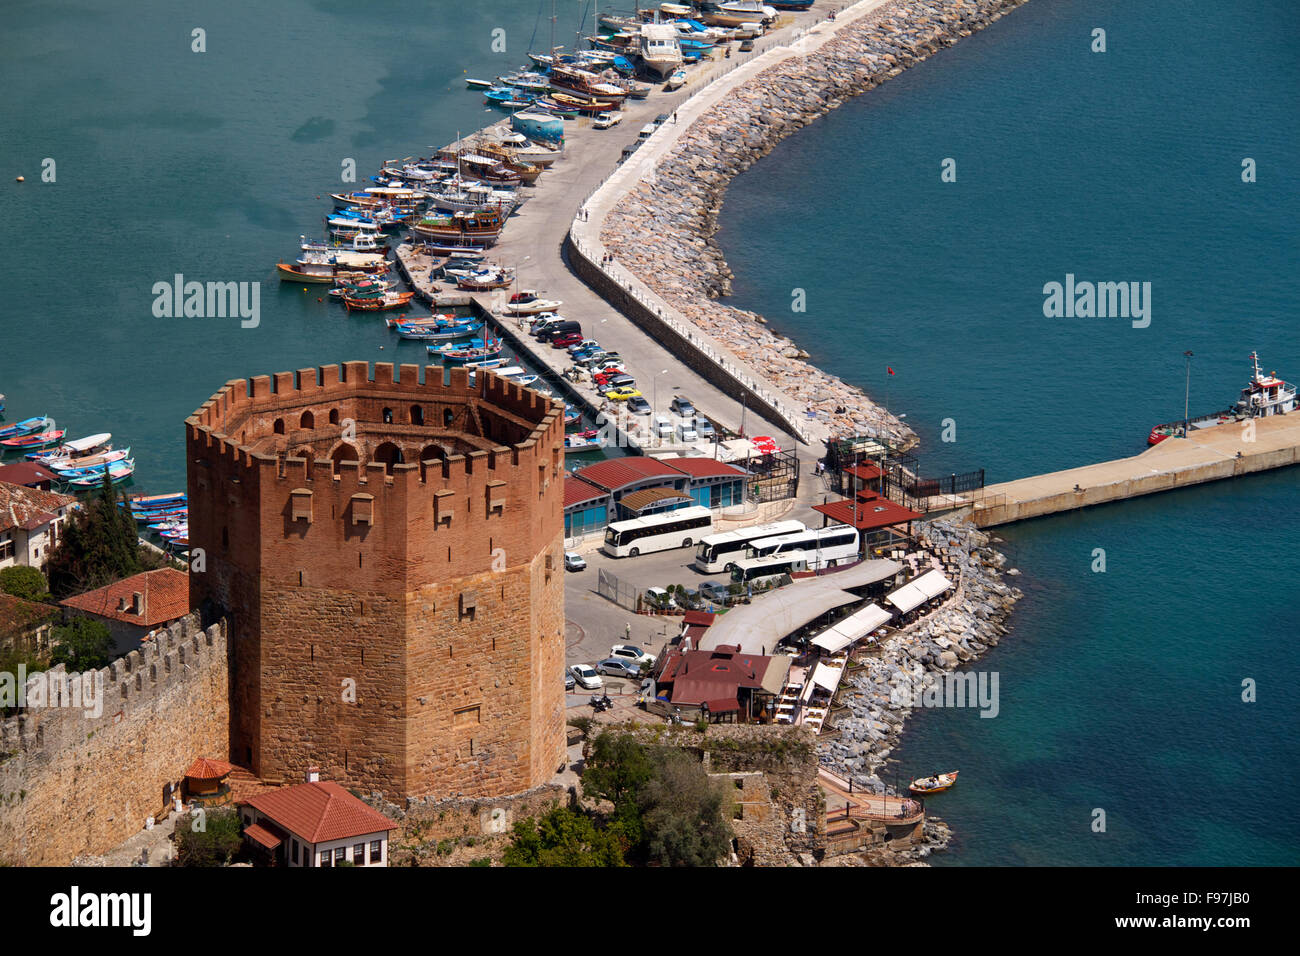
{"x":662,"y":231}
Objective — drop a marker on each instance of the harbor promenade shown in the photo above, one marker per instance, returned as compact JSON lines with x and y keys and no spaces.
{"x":534,"y":244}
{"x":1208,"y":454}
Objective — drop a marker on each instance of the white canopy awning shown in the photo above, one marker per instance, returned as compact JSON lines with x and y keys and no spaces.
{"x":918,"y":591}
{"x":826,"y":676}
{"x":853,"y":628}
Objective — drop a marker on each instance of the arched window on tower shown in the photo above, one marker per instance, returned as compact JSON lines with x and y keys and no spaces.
{"x":308,"y":420}
{"x":278,"y":427}
{"x":417,"y":415}
{"x":388,"y":416}
{"x":334,"y":416}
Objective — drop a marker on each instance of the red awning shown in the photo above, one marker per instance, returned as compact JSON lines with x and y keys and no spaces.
{"x":722,"y":705}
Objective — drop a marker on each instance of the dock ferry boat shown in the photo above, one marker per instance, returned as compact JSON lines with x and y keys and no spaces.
{"x":1265,"y":395}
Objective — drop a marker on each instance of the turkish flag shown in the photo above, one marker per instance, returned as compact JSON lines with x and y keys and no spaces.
{"x":891,"y":371}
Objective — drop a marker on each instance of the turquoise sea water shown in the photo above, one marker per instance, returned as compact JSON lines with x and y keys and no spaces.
{"x":1119,"y":690}
{"x":209,"y":165}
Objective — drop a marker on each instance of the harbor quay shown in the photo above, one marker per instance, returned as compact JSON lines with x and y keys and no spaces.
{"x":1216,"y":453}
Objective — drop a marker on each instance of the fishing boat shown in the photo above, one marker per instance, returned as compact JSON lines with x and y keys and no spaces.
{"x":509,"y":99}
{"x":527,"y":303}
{"x":572,"y":416}
{"x":19,"y":429}
{"x":474,"y":351}
{"x":116,"y":474}
{"x":735,"y":13}
{"x":478,"y":84}
{"x":935,"y":783}
{"x":485,"y":280}
{"x":541,"y":126}
{"x":63,"y":466}
{"x":529,"y":82}
{"x":468,"y":228}
{"x":582,"y":104}
{"x":1263,"y":396}
{"x":378,"y":303}
{"x":34,"y":440}
{"x":497,"y":364}
{"x":145,"y":502}
{"x":98,"y":468}
{"x":520,"y":146}
{"x":584,"y":441}
{"x":175,"y":524}
{"x":180,"y":514}
{"x":442,"y":321}
{"x":71,"y":449}
{"x":428,"y":333}
{"x":677,"y":80}
{"x":658,"y":48}
{"x":568,"y":79}
{"x":362,"y":287}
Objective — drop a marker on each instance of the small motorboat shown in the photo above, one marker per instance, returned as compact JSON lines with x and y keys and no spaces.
{"x":26,"y":427}
{"x":935,"y":783}
{"x":38,"y":440}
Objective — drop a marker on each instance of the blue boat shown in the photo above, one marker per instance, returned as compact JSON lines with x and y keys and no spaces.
{"x":426,"y":333}
{"x":538,"y":125}
{"x":28,"y":427}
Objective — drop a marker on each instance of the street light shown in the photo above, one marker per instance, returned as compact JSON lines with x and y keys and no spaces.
{"x":655,"y":382}
{"x":518,"y":264}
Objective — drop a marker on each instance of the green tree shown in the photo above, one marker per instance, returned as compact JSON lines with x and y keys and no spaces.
{"x":83,"y":644}
{"x":562,"y":837}
{"x":24,"y":582}
{"x":216,"y":844}
{"x":99,"y":545}
{"x":685,"y":813}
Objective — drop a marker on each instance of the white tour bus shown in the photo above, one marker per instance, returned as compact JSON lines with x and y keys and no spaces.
{"x":767,"y":570}
{"x":671,"y":529}
{"x":826,"y":547}
{"x":715,"y":552}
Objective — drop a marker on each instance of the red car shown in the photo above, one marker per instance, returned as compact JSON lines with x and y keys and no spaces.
{"x":565,"y":340}
{"x":602,"y":378}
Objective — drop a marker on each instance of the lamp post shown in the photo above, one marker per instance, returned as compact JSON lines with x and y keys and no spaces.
{"x":655,"y":383}
{"x":518,"y":265}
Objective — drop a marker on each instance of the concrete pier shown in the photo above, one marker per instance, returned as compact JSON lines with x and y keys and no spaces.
{"x":1208,"y":454}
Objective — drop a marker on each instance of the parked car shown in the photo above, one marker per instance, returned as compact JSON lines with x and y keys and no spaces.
{"x":574,"y":561}
{"x":659,"y":598}
{"x":632,"y":653}
{"x":621,"y":394}
{"x":619,"y":667}
{"x":569,"y":682}
{"x":682,"y":407}
{"x":714,"y":591}
{"x":638,"y":406}
{"x":591,"y":359}
{"x":692,"y":600}
{"x":619,"y":380}
{"x":704,"y":428}
{"x":566,"y":339}
{"x":606,"y":376}
{"x":583,"y":346}
{"x":586,"y":675}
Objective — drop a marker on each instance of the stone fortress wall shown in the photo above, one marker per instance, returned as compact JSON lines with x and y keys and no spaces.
{"x":73,"y":783}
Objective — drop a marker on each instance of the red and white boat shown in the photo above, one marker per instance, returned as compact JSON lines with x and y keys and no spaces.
{"x":1265,"y":395}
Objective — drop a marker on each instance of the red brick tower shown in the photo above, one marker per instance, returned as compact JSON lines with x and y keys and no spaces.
{"x":390,"y":553}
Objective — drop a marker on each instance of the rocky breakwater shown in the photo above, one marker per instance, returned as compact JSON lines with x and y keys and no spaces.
{"x":663,"y":230}
{"x":923,"y":657}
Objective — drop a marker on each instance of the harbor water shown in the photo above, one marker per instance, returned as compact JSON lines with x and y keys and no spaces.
{"x":1121,"y":691}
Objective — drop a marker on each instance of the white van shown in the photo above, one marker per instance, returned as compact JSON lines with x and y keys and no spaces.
{"x":663,"y":428}
{"x":686,"y":432}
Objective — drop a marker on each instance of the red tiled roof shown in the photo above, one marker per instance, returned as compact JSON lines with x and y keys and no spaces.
{"x":26,"y":473}
{"x":17,"y":616}
{"x":576,"y":491}
{"x":639,"y":500}
{"x":260,"y":834}
{"x":617,"y":473}
{"x":207,"y":769}
{"x":321,"y":811}
{"x":698,"y":466}
{"x":21,"y":507}
{"x":166,"y":594}
{"x":869,"y":514}
{"x":698,"y":617}
{"x":865,"y":471}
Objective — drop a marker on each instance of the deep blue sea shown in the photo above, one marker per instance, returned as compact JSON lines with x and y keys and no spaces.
{"x":1120,"y":691}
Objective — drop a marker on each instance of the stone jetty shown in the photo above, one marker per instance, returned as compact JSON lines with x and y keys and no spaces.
{"x":663,"y":230}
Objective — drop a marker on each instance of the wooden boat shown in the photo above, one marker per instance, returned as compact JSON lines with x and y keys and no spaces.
{"x":378,"y":303}
{"x":363,"y":286}
{"x":485,"y":281}
{"x":676,"y":81}
{"x":569,"y":79}
{"x":464,"y":228}
{"x":18,"y":429}
{"x":181,"y":514}
{"x":142,"y":502}
{"x":476,"y":350}
{"x":37,"y":440}
{"x":79,"y":446}
{"x":935,"y":783}
{"x":427,"y":333}
{"x":519,"y":145}
{"x":70,"y":467}
{"x":116,"y":474}
{"x":438,"y":319}
{"x":584,"y":105}
{"x":488,"y":364}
